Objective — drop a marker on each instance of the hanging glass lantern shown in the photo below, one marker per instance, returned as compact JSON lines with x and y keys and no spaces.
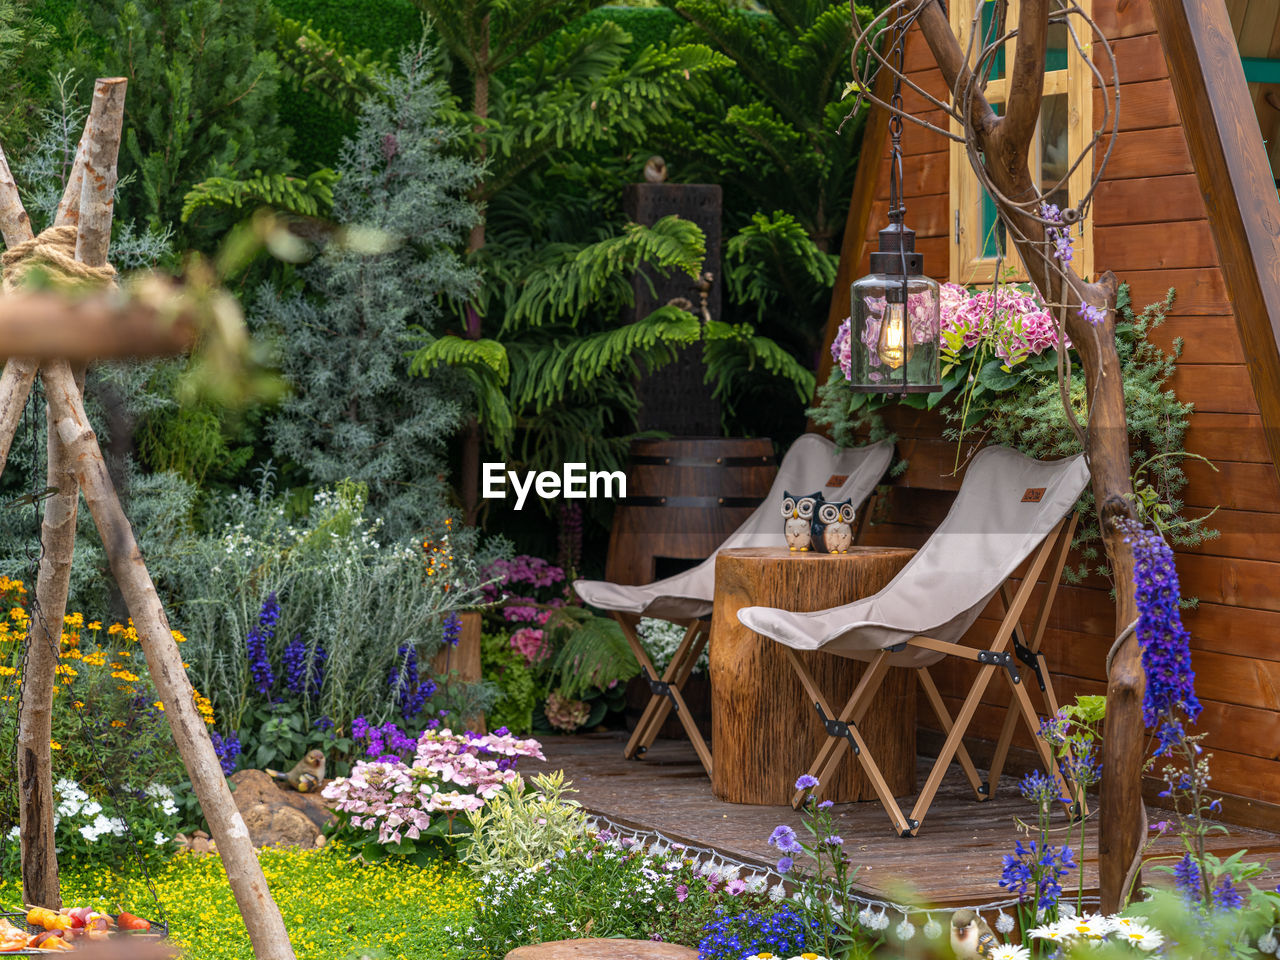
{"x":894,"y":330}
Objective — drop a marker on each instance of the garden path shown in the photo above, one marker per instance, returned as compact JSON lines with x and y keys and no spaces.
{"x":955,"y":860}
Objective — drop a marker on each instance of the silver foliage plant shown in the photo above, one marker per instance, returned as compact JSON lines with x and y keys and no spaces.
{"x":343,"y":585}
{"x":403,"y":212}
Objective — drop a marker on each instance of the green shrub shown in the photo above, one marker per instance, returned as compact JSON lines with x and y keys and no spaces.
{"x":520,"y":829}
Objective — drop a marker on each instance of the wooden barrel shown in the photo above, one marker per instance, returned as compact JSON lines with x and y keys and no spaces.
{"x":684,"y":497}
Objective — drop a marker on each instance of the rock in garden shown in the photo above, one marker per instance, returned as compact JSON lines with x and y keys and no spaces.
{"x":603,"y":950}
{"x":278,"y":816}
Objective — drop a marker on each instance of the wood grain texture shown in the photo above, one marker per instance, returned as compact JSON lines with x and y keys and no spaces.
{"x":765,"y":731}
{"x":642,"y":537}
{"x":1235,"y":177}
{"x":464,"y":660}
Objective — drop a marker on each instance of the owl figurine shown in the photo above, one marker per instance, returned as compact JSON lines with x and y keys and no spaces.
{"x":797,"y":516}
{"x":832,"y":530}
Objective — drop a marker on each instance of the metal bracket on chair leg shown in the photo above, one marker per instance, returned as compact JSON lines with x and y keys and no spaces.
{"x":1032,"y":659}
{"x":661,"y":688}
{"x":837,"y":728}
{"x":1000,"y":660}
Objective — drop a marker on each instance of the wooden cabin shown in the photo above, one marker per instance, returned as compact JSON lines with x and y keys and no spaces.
{"x":1187,"y":201}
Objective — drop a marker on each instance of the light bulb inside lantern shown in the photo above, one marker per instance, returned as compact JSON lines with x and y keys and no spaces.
{"x":894,"y":346}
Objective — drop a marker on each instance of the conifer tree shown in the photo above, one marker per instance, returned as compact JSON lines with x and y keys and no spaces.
{"x":203,"y":88}
{"x":402,"y":208}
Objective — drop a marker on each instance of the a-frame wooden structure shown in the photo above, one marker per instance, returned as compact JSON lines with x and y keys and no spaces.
{"x":1188,"y":201}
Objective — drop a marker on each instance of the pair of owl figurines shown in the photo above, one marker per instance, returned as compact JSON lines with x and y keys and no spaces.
{"x":814,"y":523}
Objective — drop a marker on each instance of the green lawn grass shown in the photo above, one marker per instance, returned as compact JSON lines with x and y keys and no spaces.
{"x":334,"y":907}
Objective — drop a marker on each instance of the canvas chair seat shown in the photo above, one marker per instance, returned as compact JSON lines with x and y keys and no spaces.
{"x":1010,"y":509}
{"x":809,"y":464}
{"x":993,"y":526}
{"x":812,"y":463}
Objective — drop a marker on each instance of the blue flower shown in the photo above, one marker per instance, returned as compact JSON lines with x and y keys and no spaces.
{"x":1226,"y":896}
{"x":1186,"y":876}
{"x":256,"y":645}
{"x":806,"y":782}
{"x":784,"y":838}
{"x":1031,"y":866}
{"x":228,"y":751}
{"x":1094,"y":315}
{"x":785,"y":865}
{"x":833,"y":841}
{"x":1165,"y":642}
{"x":452,"y":630}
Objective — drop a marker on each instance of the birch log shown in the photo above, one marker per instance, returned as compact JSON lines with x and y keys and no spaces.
{"x":261,"y":916}
{"x":99,"y":147}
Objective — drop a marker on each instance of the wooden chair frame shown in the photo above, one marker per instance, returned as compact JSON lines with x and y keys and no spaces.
{"x":666,"y":690}
{"x":842,"y":729}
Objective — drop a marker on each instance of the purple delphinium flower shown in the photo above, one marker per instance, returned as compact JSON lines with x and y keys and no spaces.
{"x":1225,"y":894}
{"x":1165,"y":642}
{"x":452,"y":629}
{"x":1186,"y":876}
{"x":294,"y":663}
{"x":806,"y":782}
{"x":228,"y":751}
{"x":256,"y":644}
{"x":411,"y":693}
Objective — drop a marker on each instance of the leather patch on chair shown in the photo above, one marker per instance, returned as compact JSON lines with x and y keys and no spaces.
{"x":1033,"y":495}
{"x":836,"y":480}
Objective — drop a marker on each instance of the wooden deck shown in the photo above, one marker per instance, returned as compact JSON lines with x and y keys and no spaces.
{"x":955,"y":860}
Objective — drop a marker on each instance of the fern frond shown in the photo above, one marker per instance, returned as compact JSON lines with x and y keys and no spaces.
{"x":320,"y":64}
{"x":565,"y":280}
{"x":733,"y":352}
{"x":781,"y":245}
{"x":545,"y":373}
{"x":595,"y":652}
{"x":485,"y":366}
{"x":310,"y":196}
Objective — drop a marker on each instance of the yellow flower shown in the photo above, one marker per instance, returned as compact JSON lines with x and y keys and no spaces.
{"x":7,"y":671}
{"x":117,"y":723}
{"x":178,"y":637}
{"x":78,"y":704}
{"x":74,"y":619}
{"x":124,"y":675}
{"x":63,"y":670}
{"x":159,"y":705}
{"x":55,"y":745}
{"x":95,"y":625}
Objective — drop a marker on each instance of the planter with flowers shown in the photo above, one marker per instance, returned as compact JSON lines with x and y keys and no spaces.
{"x":557,"y":667}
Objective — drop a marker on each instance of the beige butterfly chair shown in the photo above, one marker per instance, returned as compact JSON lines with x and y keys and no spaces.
{"x":1010,"y":510}
{"x":813,"y":463}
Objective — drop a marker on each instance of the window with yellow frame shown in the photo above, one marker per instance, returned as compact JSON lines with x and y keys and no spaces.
{"x":978,"y":240}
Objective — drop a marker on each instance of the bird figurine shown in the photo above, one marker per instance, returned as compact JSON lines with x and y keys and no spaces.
{"x":655,"y":169}
{"x":971,"y":938}
{"x":832,"y":532}
{"x":307,"y":774}
{"x":797,"y":514}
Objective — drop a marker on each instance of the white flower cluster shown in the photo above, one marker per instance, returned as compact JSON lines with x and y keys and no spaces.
{"x":661,"y":639}
{"x":86,"y":817}
{"x":1095,"y":930}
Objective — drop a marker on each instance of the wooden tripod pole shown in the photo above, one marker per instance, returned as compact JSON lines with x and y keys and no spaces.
{"x":78,"y":453}
{"x":91,"y":204}
{"x":261,"y":916}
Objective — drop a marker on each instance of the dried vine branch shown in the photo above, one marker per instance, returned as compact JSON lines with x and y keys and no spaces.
{"x":998,"y":148}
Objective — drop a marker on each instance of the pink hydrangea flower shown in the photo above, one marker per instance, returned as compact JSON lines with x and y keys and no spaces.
{"x":528,"y":642}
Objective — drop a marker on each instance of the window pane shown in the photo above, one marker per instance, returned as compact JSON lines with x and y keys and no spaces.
{"x":990,"y":32}
{"x":1055,"y":154}
{"x":1056,"y":58}
{"x":992,"y":242}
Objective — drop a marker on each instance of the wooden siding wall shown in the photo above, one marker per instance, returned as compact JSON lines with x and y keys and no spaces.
{"x":1151,"y":229}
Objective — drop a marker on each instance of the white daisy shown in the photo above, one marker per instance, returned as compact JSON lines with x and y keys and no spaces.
{"x":1140,"y":936}
{"x":1009,"y":951}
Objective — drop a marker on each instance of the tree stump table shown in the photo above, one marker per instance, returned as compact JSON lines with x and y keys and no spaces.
{"x":603,"y":950}
{"x":765,"y":730}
